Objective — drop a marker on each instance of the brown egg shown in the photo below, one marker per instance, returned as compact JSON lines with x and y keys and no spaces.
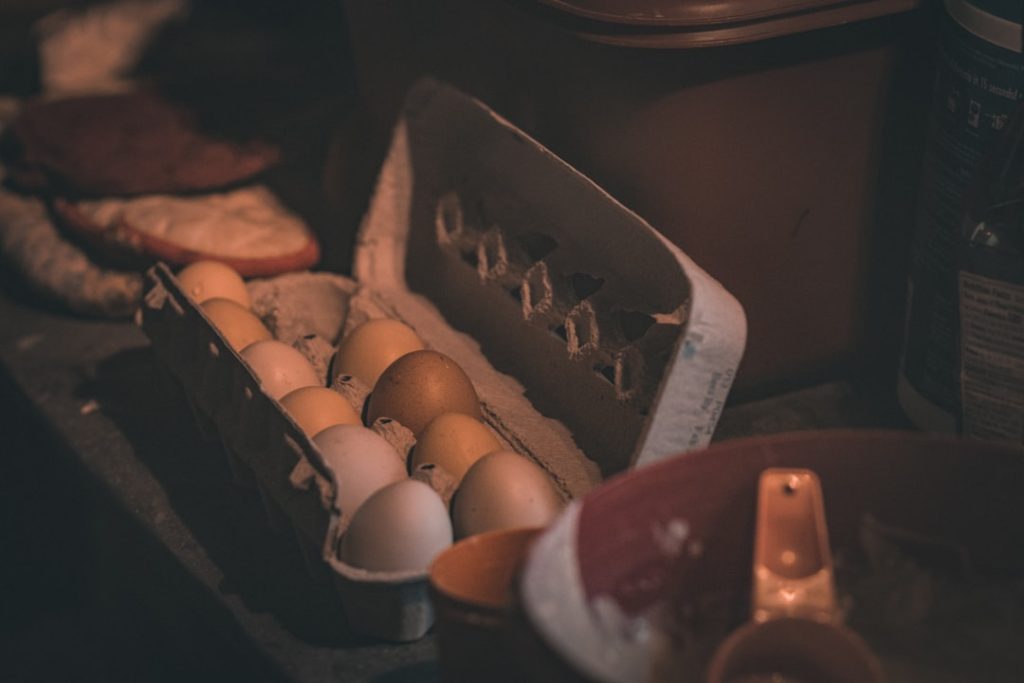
{"x":204,"y":280}
{"x":370,"y":348}
{"x":418,"y":387}
{"x":317,"y":408}
{"x":236,"y":322}
{"x":504,"y":490}
{"x":454,"y":441}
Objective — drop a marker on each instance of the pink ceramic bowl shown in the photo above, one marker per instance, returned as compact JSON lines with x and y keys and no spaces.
{"x":646,"y":575}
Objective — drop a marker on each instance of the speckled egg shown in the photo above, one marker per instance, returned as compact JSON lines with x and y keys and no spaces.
{"x":418,"y":387}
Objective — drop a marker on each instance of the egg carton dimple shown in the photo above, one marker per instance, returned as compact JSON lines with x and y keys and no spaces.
{"x":627,"y":348}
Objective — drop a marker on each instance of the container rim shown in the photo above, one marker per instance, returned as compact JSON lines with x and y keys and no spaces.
{"x":673,"y":24}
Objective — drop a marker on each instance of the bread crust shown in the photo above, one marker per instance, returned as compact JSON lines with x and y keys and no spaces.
{"x":122,"y":242}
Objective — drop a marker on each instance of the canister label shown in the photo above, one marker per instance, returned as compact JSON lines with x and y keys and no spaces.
{"x":992,"y":326}
{"x":977,"y":83}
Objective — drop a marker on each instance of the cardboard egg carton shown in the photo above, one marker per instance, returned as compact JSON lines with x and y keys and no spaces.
{"x":595,"y":345}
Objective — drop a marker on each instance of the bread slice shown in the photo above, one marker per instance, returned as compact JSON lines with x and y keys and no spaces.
{"x":123,"y":144}
{"x":247,"y":228}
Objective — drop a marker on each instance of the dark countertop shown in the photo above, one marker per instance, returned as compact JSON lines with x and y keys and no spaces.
{"x":182,"y":565}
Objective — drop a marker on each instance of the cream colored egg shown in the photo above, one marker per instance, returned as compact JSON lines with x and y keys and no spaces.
{"x":204,"y":280}
{"x":236,"y":322}
{"x":370,"y":348}
{"x":401,"y":527}
{"x":280,"y":368}
{"x":361,"y":462}
{"x":503,"y":490}
{"x":317,"y":408}
{"x":453,"y":441}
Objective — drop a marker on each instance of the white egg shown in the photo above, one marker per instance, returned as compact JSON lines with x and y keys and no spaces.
{"x":401,"y":527}
{"x":280,"y":368}
{"x":361,"y":461}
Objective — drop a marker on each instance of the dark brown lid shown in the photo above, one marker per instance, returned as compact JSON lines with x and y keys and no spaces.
{"x":700,"y":23}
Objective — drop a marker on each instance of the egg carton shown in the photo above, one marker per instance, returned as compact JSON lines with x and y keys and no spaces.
{"x":595,"y":344}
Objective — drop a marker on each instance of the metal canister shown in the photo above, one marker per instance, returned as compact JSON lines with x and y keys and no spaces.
{"x":979,"y":80}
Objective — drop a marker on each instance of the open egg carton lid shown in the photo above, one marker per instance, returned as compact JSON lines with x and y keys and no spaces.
{"x":595,"y":345}
{"x":611,"y":328}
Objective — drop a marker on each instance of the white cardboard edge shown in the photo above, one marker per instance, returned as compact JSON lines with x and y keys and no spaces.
{"x":697,"y":380}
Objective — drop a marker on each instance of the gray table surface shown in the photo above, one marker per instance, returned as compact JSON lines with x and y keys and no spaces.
{"x":216,"y":573}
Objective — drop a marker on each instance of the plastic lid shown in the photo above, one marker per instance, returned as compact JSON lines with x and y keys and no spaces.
{"x":995,"y":21}
{"x":697,"y":23}
{"x":1011,"y":10}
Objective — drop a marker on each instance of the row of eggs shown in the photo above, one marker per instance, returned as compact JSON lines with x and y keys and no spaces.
{"x":396,"y":523}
